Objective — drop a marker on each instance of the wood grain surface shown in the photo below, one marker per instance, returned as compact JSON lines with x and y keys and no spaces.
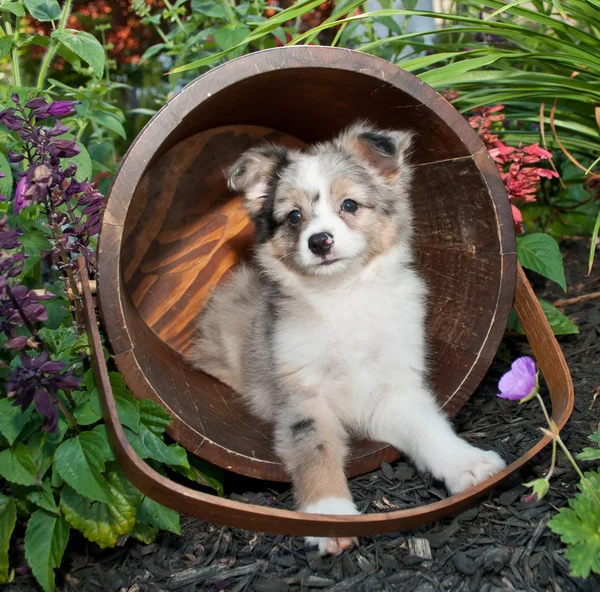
{"x":172,"y":231}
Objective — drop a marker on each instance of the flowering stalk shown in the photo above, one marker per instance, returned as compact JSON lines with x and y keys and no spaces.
{"x":521,"y":384}
{"x":14,"y":51}
{"x":521,"y":180}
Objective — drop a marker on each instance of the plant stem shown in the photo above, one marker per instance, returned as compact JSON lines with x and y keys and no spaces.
{"x":577,"y":469}
{"x":557,"y":439}
{"x":230,"y":15}
{"x":53,"y":45}
{"x":63,"y":408}
{"x":175,"y":16}
{"x":14,"y":51}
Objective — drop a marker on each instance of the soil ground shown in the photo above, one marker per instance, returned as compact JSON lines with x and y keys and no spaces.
{"x":502,"y":543}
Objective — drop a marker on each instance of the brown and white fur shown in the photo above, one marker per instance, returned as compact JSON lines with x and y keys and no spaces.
{"x":324,"y":336}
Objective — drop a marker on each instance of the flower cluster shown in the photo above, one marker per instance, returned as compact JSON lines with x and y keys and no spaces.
{"x":74,"y":208}
{"x":37,"y":381}
{"x":521,"y":179}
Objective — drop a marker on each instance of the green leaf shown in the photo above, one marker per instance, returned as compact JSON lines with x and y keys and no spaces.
{"x":156,"y":449}
{"x":212,"y":9}
{"x":109,"y":121}
{"x":151,"y":52}
{"x":153,"y":416}
{"x":204,"y":474}
{"x":152,"y":513}
{"x":84,"y":45}
{"x":43,"y":10}
{"x":43,"y":497}
{"x":57,"y":310}
{"x":589,"y":454}
{"x":13,"y":8}
{"x":127,"y":405}
{"x":80,"y":462}
{"x":6,"y":183}
{"x":5,"y":46}
{"x":12,"y":419}
{"x":17,"y":465}
{"x":561,"y":324}
{"x":99,"y":522}
{"x":84,"y":164}
{"x":8,"y":518}
{"x":85,"y":414}
{"x":229,"y":36}
{"x":595,"y":437}
{"x":45,"y":542}
{"x":540,"y":253}
{"x":34,"y":243}
{"x":143,"y":533}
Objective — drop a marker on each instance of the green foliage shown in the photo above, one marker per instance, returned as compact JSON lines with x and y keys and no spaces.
{"x":579,"y":527}
{"x":45,"y":542}
{"x":8,"y":519}
{"x":540,"y":253}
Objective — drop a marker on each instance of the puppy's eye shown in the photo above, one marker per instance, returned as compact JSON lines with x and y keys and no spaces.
{"x":350,"y":206}
{"x":295,"y":217}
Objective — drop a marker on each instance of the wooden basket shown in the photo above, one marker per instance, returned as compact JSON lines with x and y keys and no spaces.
{"x":171,"y":231}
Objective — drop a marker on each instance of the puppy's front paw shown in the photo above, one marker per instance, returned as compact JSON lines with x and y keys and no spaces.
{"x":471,"y":468}
{"x":331,"y":545}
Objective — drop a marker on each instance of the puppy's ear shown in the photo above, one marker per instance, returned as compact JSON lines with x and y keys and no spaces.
{"x":385,"y":151}
{"x":254,"y":173}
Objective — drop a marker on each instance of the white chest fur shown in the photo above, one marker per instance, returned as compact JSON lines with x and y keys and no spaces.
{"x":355,"y":342}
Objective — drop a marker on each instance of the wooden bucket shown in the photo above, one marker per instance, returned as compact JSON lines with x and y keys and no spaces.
{"x":171,"y":230}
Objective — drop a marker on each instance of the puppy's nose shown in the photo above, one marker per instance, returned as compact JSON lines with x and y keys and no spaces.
{"x":321,"y":243}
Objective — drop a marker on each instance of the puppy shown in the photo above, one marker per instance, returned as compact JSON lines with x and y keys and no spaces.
{"x":324,"y":334}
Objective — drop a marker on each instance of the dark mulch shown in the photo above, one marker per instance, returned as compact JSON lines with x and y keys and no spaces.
{"x":502,"y":543}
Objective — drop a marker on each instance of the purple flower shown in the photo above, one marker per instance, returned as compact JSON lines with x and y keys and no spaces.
{"x":8,"y":118}
{"x":14,"y":157}
{"x":36,"y":103}
{"x":20,"y":198}
{"x":520,"y":383}
{"x":36,"y":381}
{"x":62,"y":108}
{"x":58,"y":130}
{"x":64,"y":149}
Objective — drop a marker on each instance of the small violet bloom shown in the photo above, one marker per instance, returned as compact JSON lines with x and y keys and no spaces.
{"x":520,"y":383}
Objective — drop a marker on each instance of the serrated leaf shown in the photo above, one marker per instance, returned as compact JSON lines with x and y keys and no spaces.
{"x":154,"y":514}
{"x":204,"y":474}
{"x":584,"y":558}
{"x":57,"y":310}
{"x":43,"y":10}
{"x":127,"y":405}
{"x":595,"y":437}
{"x":17,"y":465}
{"x":561,"y":324}
{"x":540,"y":253}
{"x":13,"y":8}
{"x":43,"y":497}
{"x":143,"y":533}
{"x":589,"y":454}
{"x":85,"y":46}
{"x":12,"y":419}
{"x":45,"y":542}
{"x":156,"y":449}
{"x":85,"y":414}
{"x":153,"y":416}
{"x":80,"y":462}
{"x":6,"y":183}
{"x":8,"y":519}
{"x":103,"y":523}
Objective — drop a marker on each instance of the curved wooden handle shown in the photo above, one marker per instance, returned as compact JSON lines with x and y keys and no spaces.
{"x":239,"y":515}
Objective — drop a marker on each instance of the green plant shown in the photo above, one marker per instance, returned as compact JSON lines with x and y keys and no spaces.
{"x":579,"y":524}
